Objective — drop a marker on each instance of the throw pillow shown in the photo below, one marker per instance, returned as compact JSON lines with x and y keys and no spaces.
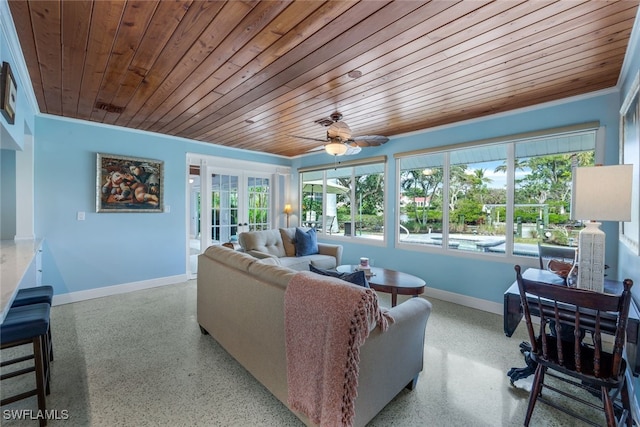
{"x":289,"y":240}
{"x":357,"y":278}
{"x":306,"y":242}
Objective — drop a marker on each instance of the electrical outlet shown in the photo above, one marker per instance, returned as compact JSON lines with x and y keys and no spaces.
{"x":80,"y":216}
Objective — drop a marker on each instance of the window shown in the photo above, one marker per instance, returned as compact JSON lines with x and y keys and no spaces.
{"x":346,"y":200}
{"x":543,"y":177}
{"x":421,"y":199}
{"x":459,"y":199}
{"x":478,"y":198}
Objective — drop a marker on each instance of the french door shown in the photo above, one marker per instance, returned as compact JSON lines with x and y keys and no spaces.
{"x":225,"y":203}
{"x":222,"y":202}
{"x":239,"y":202}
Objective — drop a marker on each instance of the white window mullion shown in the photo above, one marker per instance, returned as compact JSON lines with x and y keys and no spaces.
{"x":511,"y":173}
{"x":446,"y":168}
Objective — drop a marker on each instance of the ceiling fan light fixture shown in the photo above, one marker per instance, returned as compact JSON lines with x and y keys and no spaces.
{"x":335,"y":148}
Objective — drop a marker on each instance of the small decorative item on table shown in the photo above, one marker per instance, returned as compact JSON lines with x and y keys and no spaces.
{"x":364,"y":266}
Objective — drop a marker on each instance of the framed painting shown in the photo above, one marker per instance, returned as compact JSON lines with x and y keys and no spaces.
{"x":129,"y":184}
{"x":8,"y":93}
{"x":630,"y":154}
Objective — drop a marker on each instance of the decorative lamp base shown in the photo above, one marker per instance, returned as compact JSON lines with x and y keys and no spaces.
{"x":591,"y":257}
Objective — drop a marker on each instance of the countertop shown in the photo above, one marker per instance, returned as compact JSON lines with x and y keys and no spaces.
{"x":15,"y":258}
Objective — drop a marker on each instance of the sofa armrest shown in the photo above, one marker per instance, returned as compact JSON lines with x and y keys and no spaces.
{"x":391,"y":360}
{"x":260,"y":255}
{"x":332,"y":250}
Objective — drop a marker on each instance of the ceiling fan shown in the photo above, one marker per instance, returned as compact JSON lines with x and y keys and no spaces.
{"x":339,"y":141}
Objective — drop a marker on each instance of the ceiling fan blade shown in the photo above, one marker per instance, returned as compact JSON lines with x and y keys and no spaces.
{"x":318,"y":148}
{"x":352,"y":149}
{"x":309,"y":139}
{"x":369,"y":140}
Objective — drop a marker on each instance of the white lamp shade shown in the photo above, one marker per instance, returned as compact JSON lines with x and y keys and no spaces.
{"x":336,"y":148}
{"x":602,"y":193}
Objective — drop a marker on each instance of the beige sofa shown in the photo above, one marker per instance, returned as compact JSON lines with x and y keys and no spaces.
{"x":279,"y":244}
{"x":240,"y":302}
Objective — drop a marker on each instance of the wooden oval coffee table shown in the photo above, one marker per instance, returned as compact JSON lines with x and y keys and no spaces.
{"x":390,"y":281}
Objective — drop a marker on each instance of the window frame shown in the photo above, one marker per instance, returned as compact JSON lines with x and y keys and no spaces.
{"x":510,"y":142}
{"x":352,"y":164}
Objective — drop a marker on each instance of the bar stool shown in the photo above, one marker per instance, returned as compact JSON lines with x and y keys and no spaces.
{"x":34,"y":295}
{"x":37,"y":295}
{"x":28,"y":325}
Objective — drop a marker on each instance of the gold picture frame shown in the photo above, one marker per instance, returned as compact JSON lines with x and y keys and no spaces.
{"x":129,"y":184}
{"x":8,"y":93}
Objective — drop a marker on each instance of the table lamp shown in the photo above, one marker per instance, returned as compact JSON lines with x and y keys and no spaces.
{"x":601,"y":193}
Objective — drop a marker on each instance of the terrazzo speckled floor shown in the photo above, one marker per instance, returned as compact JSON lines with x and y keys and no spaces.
{"x":139,"y":359}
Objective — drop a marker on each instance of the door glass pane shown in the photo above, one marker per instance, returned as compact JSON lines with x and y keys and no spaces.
{"x":224,"y":207}
{"x":259,"y":203}
{"x":195,"y":246}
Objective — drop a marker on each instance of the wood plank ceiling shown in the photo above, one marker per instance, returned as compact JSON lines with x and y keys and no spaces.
{"x":249,"y":74}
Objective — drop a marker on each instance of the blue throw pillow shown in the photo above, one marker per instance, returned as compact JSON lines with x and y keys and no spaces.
{"x":306,"y":242}
{"x":357,"y":278}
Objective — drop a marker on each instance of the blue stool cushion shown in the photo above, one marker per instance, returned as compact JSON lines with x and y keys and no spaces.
{"x":33,"y":295}
{"x":25,"y":322}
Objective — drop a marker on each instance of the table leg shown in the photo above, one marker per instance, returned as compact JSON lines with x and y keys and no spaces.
{"x":394,"y":297}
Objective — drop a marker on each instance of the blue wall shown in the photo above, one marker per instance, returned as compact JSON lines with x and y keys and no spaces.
{"x":110,"y":248}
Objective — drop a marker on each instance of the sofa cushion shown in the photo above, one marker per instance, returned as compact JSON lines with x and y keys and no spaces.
{"x":323,"y":261}
{"x":289,"y":240}
{"x":357,"y":277}
{"x":270,"y":261}
{"x":306,"y":242}
{"x":268,"y":241}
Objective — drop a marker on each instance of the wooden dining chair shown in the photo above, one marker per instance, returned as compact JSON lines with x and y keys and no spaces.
{"x":585,"y":360}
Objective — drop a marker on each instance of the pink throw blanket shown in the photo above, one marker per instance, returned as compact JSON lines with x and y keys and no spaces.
{"x":326,"y":322}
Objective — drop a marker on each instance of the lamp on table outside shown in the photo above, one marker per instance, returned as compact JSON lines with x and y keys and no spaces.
{"x":601,"y":193}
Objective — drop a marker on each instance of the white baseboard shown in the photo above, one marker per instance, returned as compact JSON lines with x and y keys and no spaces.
{"x":117,"y":289}
{"x":467,"y":301}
